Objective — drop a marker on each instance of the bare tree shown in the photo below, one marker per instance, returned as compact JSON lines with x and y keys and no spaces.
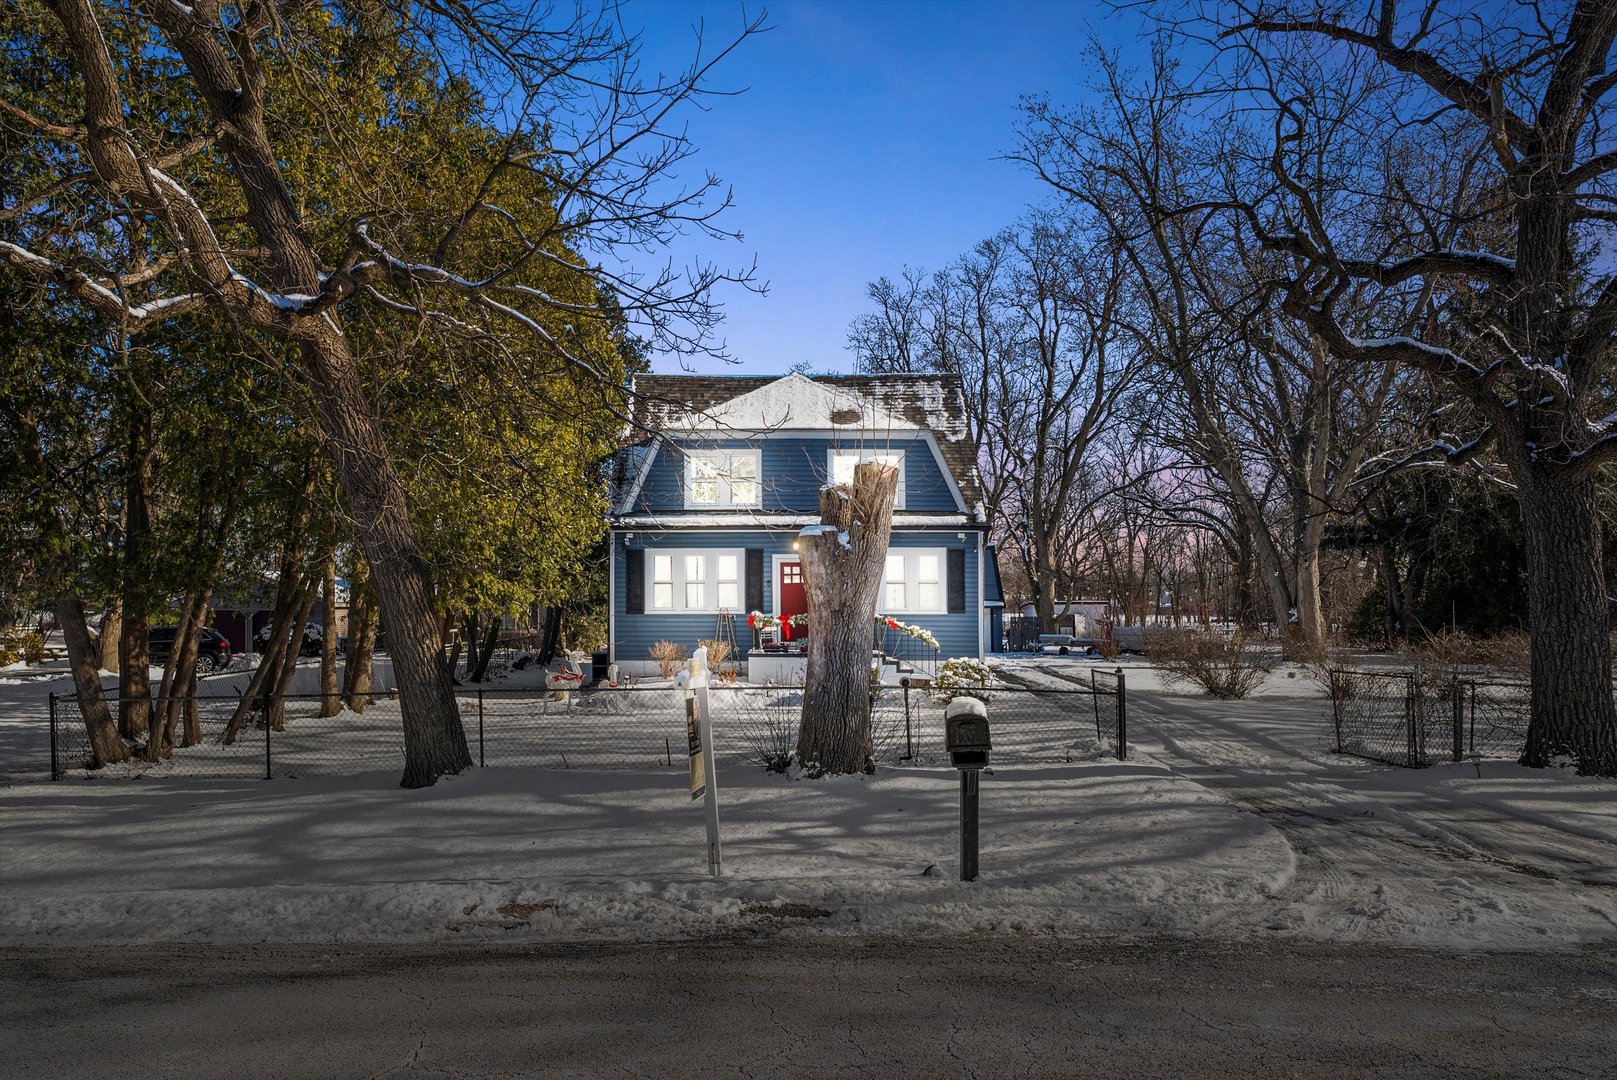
{"x":578,"y":167}
{"x":1525,"y":316}
{"x":1241,"y":389}
{"x":1029,"y":321}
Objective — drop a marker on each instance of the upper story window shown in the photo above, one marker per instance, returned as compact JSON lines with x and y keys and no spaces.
{"x":843,"y":461}
{"x":721,"y":479}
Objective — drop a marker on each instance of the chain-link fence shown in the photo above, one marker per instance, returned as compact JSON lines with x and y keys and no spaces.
{"x":632,"y":727}
{"x":1420,"y":718}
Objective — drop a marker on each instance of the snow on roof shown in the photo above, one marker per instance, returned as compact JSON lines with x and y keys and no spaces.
{"x":791,"y":403}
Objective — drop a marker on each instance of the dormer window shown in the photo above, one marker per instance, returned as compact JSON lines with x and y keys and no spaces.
{"x":721,"y":479}
{"x":843,"y":461}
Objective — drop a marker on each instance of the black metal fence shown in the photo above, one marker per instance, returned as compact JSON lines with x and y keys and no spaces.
{"x":616,"y":728}
{"x":1420,"y":718}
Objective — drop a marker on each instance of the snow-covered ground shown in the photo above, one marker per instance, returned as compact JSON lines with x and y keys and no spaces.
{"x":1229,"y":819}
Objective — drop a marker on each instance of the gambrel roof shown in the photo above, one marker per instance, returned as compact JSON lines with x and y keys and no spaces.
{"x":871,"y":405}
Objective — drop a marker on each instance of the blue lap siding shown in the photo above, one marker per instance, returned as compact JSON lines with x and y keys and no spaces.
{"x":634,"y":634}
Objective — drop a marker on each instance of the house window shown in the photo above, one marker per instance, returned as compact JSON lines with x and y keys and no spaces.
{"x":695,"y":582}
{"x":915,"y":582}
{"x":729,"y":582}
{"x":843,"y":461}
{"x":689,"y":581}
{"x":721,"y":479}
{"x":662,"y":582}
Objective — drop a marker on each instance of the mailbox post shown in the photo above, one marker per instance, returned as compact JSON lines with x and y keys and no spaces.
{"x":965,"y":736}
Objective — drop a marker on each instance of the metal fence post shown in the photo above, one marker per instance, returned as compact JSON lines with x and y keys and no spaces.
{"x":269,"y":773}
{"x":1094,"y":698}
{"x":1411,"y":722}
{"x":1122,"y":718}
{"x":482,"y":762}
{"x":55,"y":772}
{"x":909,"y":739}
{"x":1336,"y":682}
{"x":1458,"y":704}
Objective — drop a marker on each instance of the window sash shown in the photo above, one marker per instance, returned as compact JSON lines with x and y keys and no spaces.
{"x":695,"y":581}
{"x":913,"y":582}
{"x":718,"y":479}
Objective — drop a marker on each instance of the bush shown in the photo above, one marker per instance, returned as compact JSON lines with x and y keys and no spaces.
{"x":19,"y":644}
{"x":669,"y":655}
{"x":717,"y":652}
{"x":771,"y":730}
{"x":1222,"y":666}
{"x":963,"y":676}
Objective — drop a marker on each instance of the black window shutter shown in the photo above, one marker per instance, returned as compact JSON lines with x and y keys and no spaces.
{"x":957,"y":580}
{"x":634,"y":569}
{"x":755,"y":579}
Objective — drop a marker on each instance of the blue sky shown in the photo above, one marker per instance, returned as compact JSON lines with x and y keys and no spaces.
{"x":868,"y":139}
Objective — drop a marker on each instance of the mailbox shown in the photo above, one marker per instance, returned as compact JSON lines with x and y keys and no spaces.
{"x":965,"y":733}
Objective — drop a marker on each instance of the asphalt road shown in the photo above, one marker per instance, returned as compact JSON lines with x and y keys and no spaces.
{"x":787,"y":1007}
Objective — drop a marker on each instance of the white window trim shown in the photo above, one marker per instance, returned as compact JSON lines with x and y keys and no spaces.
{"x":867,"y":453}
{"x":710,"y":579}
{"x":911,"y":557}
{"x":723,"y":461}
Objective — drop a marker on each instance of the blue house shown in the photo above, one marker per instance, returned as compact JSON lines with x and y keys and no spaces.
{"x":707,"y":509}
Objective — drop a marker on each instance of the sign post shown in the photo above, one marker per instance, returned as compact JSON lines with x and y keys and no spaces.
{"x":699,"y":735}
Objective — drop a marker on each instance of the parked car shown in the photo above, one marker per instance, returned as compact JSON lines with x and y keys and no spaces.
{"x":314,"y":638}
{"x":213,"y":648}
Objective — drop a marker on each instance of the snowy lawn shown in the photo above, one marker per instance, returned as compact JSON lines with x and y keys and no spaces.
{"x":1230,"y":819}
{"x":1066,"y":849}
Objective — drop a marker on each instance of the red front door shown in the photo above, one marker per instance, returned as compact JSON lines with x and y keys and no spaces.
{"x":791,"y":595}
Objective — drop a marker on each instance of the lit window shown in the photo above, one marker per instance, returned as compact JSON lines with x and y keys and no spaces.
{"x":701,"y":581}
{"x":843,"y":462}
{"x":720,"y":479}
{"x":914,"y":582}
{"x":928,"y":582}
{"x":662,"y":582}
{"x":895,"y":584}
{"x":729,"y":582}
{"x":695,"y":581}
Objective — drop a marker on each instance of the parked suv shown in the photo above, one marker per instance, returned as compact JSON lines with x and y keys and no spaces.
{"x":213,"y":648}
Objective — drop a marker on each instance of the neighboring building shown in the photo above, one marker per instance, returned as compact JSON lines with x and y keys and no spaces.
{"x":1080,"y":618}
{"x":706,"y":510}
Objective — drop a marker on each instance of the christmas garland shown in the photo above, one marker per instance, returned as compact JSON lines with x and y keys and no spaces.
{"x":919,"y":633}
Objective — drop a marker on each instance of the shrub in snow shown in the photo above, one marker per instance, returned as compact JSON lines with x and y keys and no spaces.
{"x":963,"y":676}
{"x":769,"y":729}
{"x":669,"y":656}
{"x":1222,"y":666}
{"x":19,"y":644}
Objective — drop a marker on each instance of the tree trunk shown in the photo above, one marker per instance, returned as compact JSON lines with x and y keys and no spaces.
{"x":330,"y":700}
{"x":268,"y":663}
{"x":361,"y":640}
{"x":134,"y":651}
{"x":844,"y":558}
{"x":182,"y":659}
{"x":1573,"y":716}
{"x":483,"y":652}
{"x":434,"y":739}
{"x":111,"y":631}
{"x":135,"y":677}
{"x":106,"y":748}
{"x":291,"y":650}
